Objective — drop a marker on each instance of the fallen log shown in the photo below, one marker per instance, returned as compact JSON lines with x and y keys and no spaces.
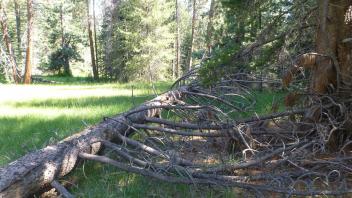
{"x":39,"y":169}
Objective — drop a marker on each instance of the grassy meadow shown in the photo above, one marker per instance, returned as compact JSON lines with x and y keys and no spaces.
{"x":34,"y":116}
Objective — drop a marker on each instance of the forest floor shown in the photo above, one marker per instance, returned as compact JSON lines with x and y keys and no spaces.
{"x":32,"y":117}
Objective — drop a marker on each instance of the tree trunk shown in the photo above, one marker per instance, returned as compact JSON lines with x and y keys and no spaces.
{"x":18,"y":27}
{"x":36,"y":170}
{"x":210,"y":26}
{"x":176,"y":68}
{"x":28,"y":66}
{"x":189,"y":63}
{"x":3,"y":21}
{"x":64,"y":43}
{"x":91,"y":44}
{"x":110,"y":17}
{"x":95,"y":37}
{"x":331,"y":65}
{"x":62,"y":26}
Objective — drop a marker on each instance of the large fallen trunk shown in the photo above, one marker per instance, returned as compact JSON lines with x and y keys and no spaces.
{"x":38,"y":169}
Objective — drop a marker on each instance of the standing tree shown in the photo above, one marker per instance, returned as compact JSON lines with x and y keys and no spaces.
{"x":210,"y":26}
{"x":18,"y":26}
{"x":28,"y":66}
{"x":3,"y":21}
{"x":189,"y":61}
{"x":110,"y":18}
{"x":176,"y":68}
{"x":331,"y":67}
{"x":95,"y":37}
{"x":91,"y":44}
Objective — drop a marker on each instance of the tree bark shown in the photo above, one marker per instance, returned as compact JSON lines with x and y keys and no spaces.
{"x":38,"y":169}
{"x":333,"y":48}
{"x":91,"y":44}
{"x":189,"y":63}
{"x":3,"y":21}
{"x":28,"y":66}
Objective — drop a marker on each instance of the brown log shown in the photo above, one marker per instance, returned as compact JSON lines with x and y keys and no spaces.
{"x":38,"y":169}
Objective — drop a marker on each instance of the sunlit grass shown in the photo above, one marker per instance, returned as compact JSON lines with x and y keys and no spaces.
{"x":34,"y":116}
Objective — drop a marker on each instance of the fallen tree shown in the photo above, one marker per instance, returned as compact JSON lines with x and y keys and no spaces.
{"x":36,"y":170}
{"x":191,"y":135}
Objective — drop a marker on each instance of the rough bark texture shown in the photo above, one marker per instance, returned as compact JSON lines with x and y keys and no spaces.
{"x":28,"y":66}
{"x":334,"y":47}
{"x":36,"y":170}
{"x":331,"y":63}
{"x":3,"y":21}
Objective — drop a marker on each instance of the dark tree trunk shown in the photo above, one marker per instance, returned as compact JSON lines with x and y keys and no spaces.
{"x":3,"y":21}
{"x":28,"y":66}
{"x":91,"y":44}
{"x":331,"y":63}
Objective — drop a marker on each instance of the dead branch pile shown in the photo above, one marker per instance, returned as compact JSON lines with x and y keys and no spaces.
{"x":198,"y":135}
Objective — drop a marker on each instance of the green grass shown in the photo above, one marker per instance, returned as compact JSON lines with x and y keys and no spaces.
{"x":32,"y":117}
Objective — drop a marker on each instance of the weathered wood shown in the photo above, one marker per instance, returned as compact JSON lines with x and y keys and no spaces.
{"x":38,"y":169}
{"x":61,"y":189}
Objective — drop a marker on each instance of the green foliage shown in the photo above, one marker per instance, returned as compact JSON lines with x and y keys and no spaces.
{"x":252,"y":22}
{"x":59,"y":59}
{"x":64,"y":35}
{"x":142,"y":40}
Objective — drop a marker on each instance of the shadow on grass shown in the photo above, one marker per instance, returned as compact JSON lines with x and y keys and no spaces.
{"x":20,"y":135}
{"x":107,"y":181}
